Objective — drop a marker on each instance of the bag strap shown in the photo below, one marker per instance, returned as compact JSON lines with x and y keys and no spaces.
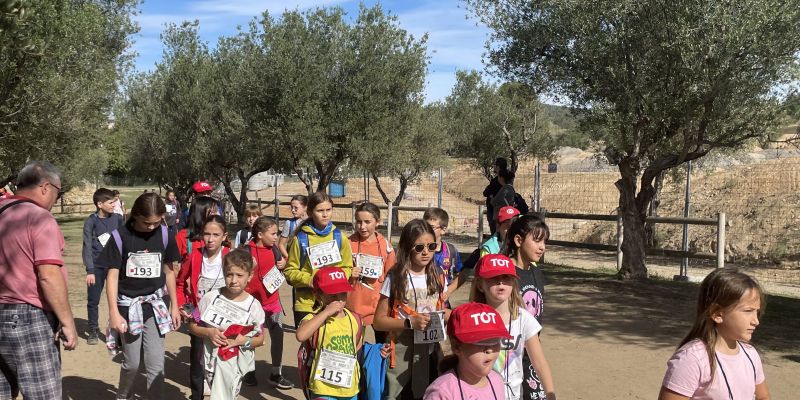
{"x":276,"y":253}
{"x":13,"y":203}
{"x":164,"y":236}
{"x":117,"y":240}
{"x":302,"y":240}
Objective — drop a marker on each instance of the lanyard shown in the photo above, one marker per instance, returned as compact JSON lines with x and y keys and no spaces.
{"x":461,"y":391}
{"x":321,"y":342}
{"x":378,"y":242}
{"x":413,"y":289}
{"x":507,"y":383}
{"x":724,"y":376}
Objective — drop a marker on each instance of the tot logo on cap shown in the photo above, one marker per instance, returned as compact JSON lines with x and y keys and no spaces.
{"x":506,"y":213}
{"x":476,"y":322}
{"x":492,"y":265}
{"x":331,"y":280}
{"x":202,"y":187}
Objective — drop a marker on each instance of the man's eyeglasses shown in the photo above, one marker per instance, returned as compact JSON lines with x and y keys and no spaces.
{"x":60,"y":192}
{"x":420,"y":247}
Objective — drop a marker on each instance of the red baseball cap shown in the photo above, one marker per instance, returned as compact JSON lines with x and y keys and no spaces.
{"x":506,"y":213}
{"x":475,"y":323}
{"x":202,"y":187}
{"x":492,"y":265}
{"x":331,"y":280}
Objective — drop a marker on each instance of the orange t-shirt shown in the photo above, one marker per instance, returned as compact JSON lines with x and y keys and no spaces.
{"x":363,"y":299}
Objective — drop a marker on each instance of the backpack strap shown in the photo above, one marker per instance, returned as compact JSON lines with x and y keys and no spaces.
{"x":164,"y":236}
{"x":302,"y":240}
{"x":117,"y":240}
{"x":188,"y":242}
{"x":276,"y":253}
{"x":15,"y":202}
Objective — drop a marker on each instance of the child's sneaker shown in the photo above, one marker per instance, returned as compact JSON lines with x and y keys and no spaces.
{"x":280,"y":382}
{"x":249,"y":379}
{"x":92,"y":336}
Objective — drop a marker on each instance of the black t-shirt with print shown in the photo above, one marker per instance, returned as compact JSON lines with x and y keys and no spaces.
{"x":134,"y":242}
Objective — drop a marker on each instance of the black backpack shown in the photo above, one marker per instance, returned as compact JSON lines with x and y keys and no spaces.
{"x":520,"y":204}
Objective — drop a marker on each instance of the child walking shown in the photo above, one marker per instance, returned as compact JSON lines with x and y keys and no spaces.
{"x":373,"y":257}
{"x":336,"y":333}
{"x":298,"y":208}
{"x":525,"y":244}
{"x":447,"y":256}
{"x":142,"y":301}
{"x":318,"y":243}
{"x":504,"y":218}
{"x":265,"y":285}
{"x":716,"y":360}
{"x":496,"y":285}
{"x":96,"y":234}
{"x":475,"y":332}
{"x":244,"y":235}
{"x":192,"y":236}
{"x":229,"y":320}
{"x":201,"y":272}
{"x":411,"y":310}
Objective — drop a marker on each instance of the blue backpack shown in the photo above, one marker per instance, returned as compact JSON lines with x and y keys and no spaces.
{"x":302,"y":240}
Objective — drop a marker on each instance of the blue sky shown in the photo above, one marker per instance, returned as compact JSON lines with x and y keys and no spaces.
{"x":455,"y":41}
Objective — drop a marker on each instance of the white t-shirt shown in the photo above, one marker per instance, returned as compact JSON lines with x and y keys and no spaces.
{"x":290,"y":225}
{"x":416,"y":293}
{"x":212,"y":268}
{"x":509,"y":363}
{"x":255,"y":314}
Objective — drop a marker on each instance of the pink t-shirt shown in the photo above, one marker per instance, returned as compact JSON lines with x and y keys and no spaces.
{"x":689,"y":373}
{"x":30,"y":238}
{"x":446,"y":387}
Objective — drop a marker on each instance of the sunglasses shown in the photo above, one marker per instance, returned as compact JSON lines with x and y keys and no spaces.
{"x":419,"y":248}
{"x":60,"y":193}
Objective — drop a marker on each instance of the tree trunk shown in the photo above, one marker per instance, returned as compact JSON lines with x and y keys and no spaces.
{"x":650,"y":228}
{"x":397,"y":200}
{"x":633,"y":217}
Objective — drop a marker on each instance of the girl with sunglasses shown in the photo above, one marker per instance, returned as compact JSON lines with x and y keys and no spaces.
{"x":411,"y":310}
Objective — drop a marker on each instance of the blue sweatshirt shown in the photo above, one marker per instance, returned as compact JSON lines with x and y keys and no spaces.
{"x":93,"y":228}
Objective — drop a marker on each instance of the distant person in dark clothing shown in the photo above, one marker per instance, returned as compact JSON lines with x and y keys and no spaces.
{"x":500,"y":165}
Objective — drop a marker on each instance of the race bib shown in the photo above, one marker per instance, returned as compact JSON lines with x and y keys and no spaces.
{"x":324,"y":254}
{"x":371,"y":266}
{"x":273,"y":280}
{"x":205,"y":285}
{"x":103,"y":239}
{"x":223,"y":313}
{"x":435,"y":331}
{"x":170,"y":209}
{"x":143,"y":265}
{"x":335,"y":368}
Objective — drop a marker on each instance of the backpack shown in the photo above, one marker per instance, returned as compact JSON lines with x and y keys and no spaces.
{"x":302,"y":240}
{"x":308,"y":351}
{"x":164,"y":238}
{"x":472,"y":260}
{"x":520,"y":204}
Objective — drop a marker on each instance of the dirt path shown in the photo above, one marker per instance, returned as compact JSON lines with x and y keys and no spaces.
{"x":604,"y":339}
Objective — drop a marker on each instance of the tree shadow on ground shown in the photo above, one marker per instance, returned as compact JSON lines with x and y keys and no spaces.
{"x":652,"y":313}
{"x":79,"y":388}
{"x":263,"y":369}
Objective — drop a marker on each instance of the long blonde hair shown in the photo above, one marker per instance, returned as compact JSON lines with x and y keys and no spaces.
{"x":721,"y":290}
{"x":514,"y":302}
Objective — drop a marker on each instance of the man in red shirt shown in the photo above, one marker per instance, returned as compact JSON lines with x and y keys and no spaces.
{"x":34,"y":306}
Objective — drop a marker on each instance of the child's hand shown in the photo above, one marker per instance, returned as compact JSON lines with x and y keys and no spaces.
{"x":281,"y":264}
{"x":216,"y":336}
{"x":420,"y":321}
{"x":355,"y":272}
{"x":334,"y":308}
{"x":386,"y":350}
{"x":90,"y":279}
{"x":238,"y":341}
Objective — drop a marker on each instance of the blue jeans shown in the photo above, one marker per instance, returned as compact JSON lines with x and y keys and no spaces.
{"x":93,"y":296}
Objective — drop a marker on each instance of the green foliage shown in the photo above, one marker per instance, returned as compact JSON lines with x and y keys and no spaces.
{"x":489,"y":122}
{"x":59,"y":69}
{"x":659,"y":83}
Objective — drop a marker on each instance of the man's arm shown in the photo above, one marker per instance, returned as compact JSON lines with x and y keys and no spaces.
{"x":54,"y":290}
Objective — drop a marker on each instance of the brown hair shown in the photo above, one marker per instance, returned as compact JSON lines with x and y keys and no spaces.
{"x":261,"y":225}
{"x":238,"y":258}
{"x":102,"y":195}
{"x":314,"y":200}
{"x":216,"y":219}
{"x":370,"y":208}
{"x":722,"y":289}
{"x":450,"y":361}
{"x":411,"y":232}
{"x":437,"y":213}
{"x":251,"y":210}
{"x":301,"y":198}
{"x":514,"y":302}
{"x":147,"y":205}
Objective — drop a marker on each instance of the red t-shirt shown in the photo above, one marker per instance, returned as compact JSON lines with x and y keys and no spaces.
{"x":30,"y":238}
{"x":265,"y":259}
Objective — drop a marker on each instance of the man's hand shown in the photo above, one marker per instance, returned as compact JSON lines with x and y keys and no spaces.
{"x":68,"y":336}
